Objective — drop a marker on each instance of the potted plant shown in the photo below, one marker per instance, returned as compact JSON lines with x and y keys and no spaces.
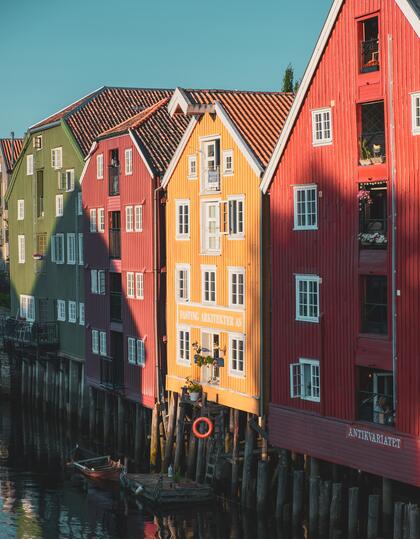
{"x":364,"y":197}
{"x":377,"y":155}
{"x":365,"y":153}
{"x":193,"y":389}
{"x":376,"y":238}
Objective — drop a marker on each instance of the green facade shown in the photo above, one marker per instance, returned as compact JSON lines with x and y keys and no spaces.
{"x":45,"y":280}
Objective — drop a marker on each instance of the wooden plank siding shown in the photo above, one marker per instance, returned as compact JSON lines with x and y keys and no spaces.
{"x":332,"y":251}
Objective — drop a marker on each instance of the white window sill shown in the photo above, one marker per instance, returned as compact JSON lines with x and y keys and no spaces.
{"x":307,"y":319}
{"x":228,"y":173}
{"x":192,"y":177}
{"x":182,"y":238}
{"x":237,"y":374}
{"x":415,"y":131}
{"x":305,"y":228}
{"x":322,"y":143}
{"x":235,"y":236}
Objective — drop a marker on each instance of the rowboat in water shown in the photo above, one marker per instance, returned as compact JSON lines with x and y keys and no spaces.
{"x":95,"y":467}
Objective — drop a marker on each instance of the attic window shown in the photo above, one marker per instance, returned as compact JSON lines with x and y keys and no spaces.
{"x":369,"y":45}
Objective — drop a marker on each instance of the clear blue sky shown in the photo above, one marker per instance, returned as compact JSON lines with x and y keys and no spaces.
{"x":55,"y":51}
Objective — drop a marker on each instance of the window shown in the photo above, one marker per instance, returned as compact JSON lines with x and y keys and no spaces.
{"x":41,"y":243}
{"x":236,"y":287}
{"x":228,"y":162}
{"x":375,"y":396}
{"x":57,"y":253}
{"x":61,"y":181}
{"x":27,"y":307}
{"x":369,"y":46}
{"x":40,"y":194}
{"x":80,"y":248}
{"x":21,"y":248}
{"x":72,"y":311}
{"x":208,"y":281}
{"x":136,"y":351}
{"x":21,"y":209}
{"x":182,"y":285}
{"x":97,"y":281}
{"x":183,"y":356}
{"x":100,"y":166}
{"x":57,"y":158}
{"x":373,"y":215}
{"x":59,"y":205}
{"x":236,"y":217}
{"x":210,"y":227}
{"x":237,"y":354}
{"x":37,"y":142}
{"x":79,"y":204}
{"x":305,"y":380}
{"x":305,"y":207}
{"x":374,"y":305}
{"x":141,"y":356}
{"x":130,"y":284}
{"x":140,"y":285}
{"x":69,"y":180}
{"x":95,"y":341}
{"x":61,"y":310}
{"x":307,"y":298}
{"x":129,"y":218}
{"x":128,"y":154}
{"x":210,"y":345}
{"x":415,"y":113}
{"x":101,"y":220}
{"x":71,"y":248}
{"x":43,"y":310}
{"x":92,"y":214}
{"x":372,"y":133}
{"x":182,"y":219}
{"x":211,"y":162}
{"x":321,"y":127}
{"x":192,"y":167}
{"x":30,"y":164}
{"x":102,"y":343}
{"x":82,"y":314}
{"x":138,"y":218}
{"x":131,"y":350}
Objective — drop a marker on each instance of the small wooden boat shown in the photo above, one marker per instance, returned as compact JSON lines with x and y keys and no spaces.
{"x":95,"y":467}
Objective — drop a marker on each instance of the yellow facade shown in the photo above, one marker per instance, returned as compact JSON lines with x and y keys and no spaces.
{"x":213,"y":314}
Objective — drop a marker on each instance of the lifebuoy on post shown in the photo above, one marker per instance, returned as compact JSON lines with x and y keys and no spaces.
{"x":209,"y":424}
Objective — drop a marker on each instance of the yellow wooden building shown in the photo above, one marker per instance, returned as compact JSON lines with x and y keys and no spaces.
{"x":217,"y":244}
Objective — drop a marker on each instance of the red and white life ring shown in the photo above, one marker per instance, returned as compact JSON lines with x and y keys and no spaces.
{"x":209,"y":424}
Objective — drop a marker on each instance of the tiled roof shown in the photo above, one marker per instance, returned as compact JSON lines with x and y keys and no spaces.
{"x":104,"y":109}
{"x":157,"y":132}
{"x":6,"y":147}
{"x":258,"y":116}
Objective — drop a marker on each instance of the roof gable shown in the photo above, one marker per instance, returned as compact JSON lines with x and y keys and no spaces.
{"x":11,"y":149}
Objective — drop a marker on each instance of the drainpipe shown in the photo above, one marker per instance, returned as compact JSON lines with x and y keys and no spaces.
{"x":156,"y":260}
{"x":262,"y":371}
{"x":393,"y":222}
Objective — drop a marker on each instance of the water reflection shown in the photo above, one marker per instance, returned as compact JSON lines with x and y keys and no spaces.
{"x":40,"y":499}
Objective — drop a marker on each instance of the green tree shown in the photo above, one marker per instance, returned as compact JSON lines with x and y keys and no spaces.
{"x":288,"y":79}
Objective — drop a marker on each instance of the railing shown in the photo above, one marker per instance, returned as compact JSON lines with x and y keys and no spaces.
{"x":115,"y":306}
{"x":26,"y":333}
{"x":115,"y":243}
{"x":112,"y":373}
{"x":114,"y":180}
{"x":377,"y":408}
{"x":213,"y":179}
{"x":369,"y":55}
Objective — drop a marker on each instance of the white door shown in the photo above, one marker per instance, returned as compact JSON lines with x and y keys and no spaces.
{"x":211,"y":227}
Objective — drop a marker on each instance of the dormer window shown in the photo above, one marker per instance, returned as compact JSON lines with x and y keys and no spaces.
{"x":369,"y":45}
{"x":211,"y":165}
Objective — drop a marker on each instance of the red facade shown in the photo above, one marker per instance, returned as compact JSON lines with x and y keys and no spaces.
{"x":136,"y":255}
{"x":368,"y":88}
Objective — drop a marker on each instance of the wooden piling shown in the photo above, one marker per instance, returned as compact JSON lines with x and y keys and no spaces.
{"x":92,"y":412}
{"x":106,"y":418}
{"x":138,"y":436}
{"x":262,"y":486}
{"x":298,"y":477}
{"x":324,"y":507}
{"x":235,"y":455}
{"x":373,"y":516}
{"x":173,"y":403}
{"x":282,"y":485}
{"x":406,"y":521}
{"x":353,"y":512}
{"x":313,"y":505}
{"x":414,"y":521}
{"x":314,"y":468}
{"x":180,"y":438}
{"x":154,"y":441}
{"x":192,"y":451}
{"x":246,"y":494}
{"x":387,"y":506}
{"x":121,"y":425}
{"x":335,"y":511}
{"x":398,"y":519}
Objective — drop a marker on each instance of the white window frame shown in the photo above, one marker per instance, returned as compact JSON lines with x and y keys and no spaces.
{"x":141,"y":352}
{"x":185,"y":234}
{"x":79,"y":203}
{"x":80,"y":248}
{"x":29,"y":164}
{"x":70,"y":180}
{"x":205,"y":142}
{"x":37,"y":142}
{"x":182,"y":359}
{"x":138,"y":218}
{"x":92,"y":220}
{"x":324,"y":140}
{"x":298,"y":383}
{"x":57,"y":158}
{"x":128,"y":161}
{"x":27,"y":307}
{"x":100,"y":167}
{"x":232,"y":371}
{"x":72,"y":311}
{"x":182,"y":268}
{"x":130,"y":285}
{"x":61,"y":310}
{"x":226,"y":170}
{"x":21,"y":249}
{"x":241,"y":234}
{"x":210,"y":269}
{"x":102,"y":343}
{"x":415,"y":113}
{"x":129,"y":219}
{"x":59,"y":239}
{"x":205,"y":236}
{"x":97,"y":281}
{"x":140,"y":285}
{"x":131,"y":351}
{"x":59,"y":205}
{"x":191,"y":174}
{"x":236,"y":270}
{"x":81,"y":313}
{"x":101,"y":219}
{"x":71,"y":248}
{"x":309,"y":279}
{"x":95,"y":341}
{"x":304,"y":188}
{"x":21,"y":209}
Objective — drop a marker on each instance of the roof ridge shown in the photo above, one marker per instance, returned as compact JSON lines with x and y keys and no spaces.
{"x":235,"y":91}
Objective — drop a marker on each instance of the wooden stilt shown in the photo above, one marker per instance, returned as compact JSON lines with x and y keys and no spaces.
{"x":138,"y":436}
{"x":313,"y":505}
{"x":262,"y":486}
{"x":107,"y":418}
{"x":373,"y":516}
{"x":398,"y":519}
{"x":154,"y":441}
{"x":247,"y":494}
{"x":387,"y":506}
{"x":92,"y":413}
{"x":324,"y":508}
{"x":335,"y":511}
{"x":121,"y":425}
{"x":199,"y":473}
{"x":298,"y":477}
{"x":192,"y":452}
{"x":235,"y":455}
{"x":414,"y":521}
{"x":180,"y":439}
{"x":353,"y":513}
{"x":173,"y":403}
{"x":314,"y":467}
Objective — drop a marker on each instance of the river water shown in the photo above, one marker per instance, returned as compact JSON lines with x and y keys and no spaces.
{"x":40,"y":499}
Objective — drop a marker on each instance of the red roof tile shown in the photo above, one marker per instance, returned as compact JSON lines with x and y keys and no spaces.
{"x":11,"y":147}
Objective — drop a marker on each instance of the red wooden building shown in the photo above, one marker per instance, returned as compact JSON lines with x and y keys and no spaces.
{"x":125,"y":253}
{"x":345,"y":233}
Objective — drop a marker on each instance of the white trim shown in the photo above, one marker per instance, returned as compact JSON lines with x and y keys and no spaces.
{"x":208,"y":268}
{"x":87,"y":161}
{"x":236,"y":270}
{"x":179,"y":151}
{"x":412,"y":18}
{"x":61,"y":310}
{"x":305,"y":188}
{"x":138,"y":226}
{"x":241,"y":374}
{"x":415,"y":130}
{"x":71,"y":239}
{"x":241,"y":235}
{"x":143,"y":157}
{"x":139,"y":285}
{"x":178,"y":203}
{"x":27,"y":307}
{"x":179,"y":100}
{"x":183,"y":267}
{"x":72,"y":306}
{"x":130,"y":276}
{"x":312,"y":363}
{"x":21,"y":209}
{"x":226,"y":154}
{"x":100,"y":171}
{"x":203,"y":223}
{"x":306,"y":278}
{"x":128,"y":160}
{"x":324,"y":141}
{"x":182,"y":328}
{"x":190,"y":158}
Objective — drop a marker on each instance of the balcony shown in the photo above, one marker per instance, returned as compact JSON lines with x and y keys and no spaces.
{"x":25,"y":334}
{"x":373,"y":218}
{"x":372,"y":136}
{"x":112,"y":373}
{"x":376,"y":408}
{"x":115,"y":243}
{"x":114,"y":180}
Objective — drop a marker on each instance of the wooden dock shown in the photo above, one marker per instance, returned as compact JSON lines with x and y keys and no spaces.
{"x":161,"y":490}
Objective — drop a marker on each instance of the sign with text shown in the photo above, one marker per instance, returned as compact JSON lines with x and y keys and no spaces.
{"x":208,"y":317}
{"x":374,"y":437}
